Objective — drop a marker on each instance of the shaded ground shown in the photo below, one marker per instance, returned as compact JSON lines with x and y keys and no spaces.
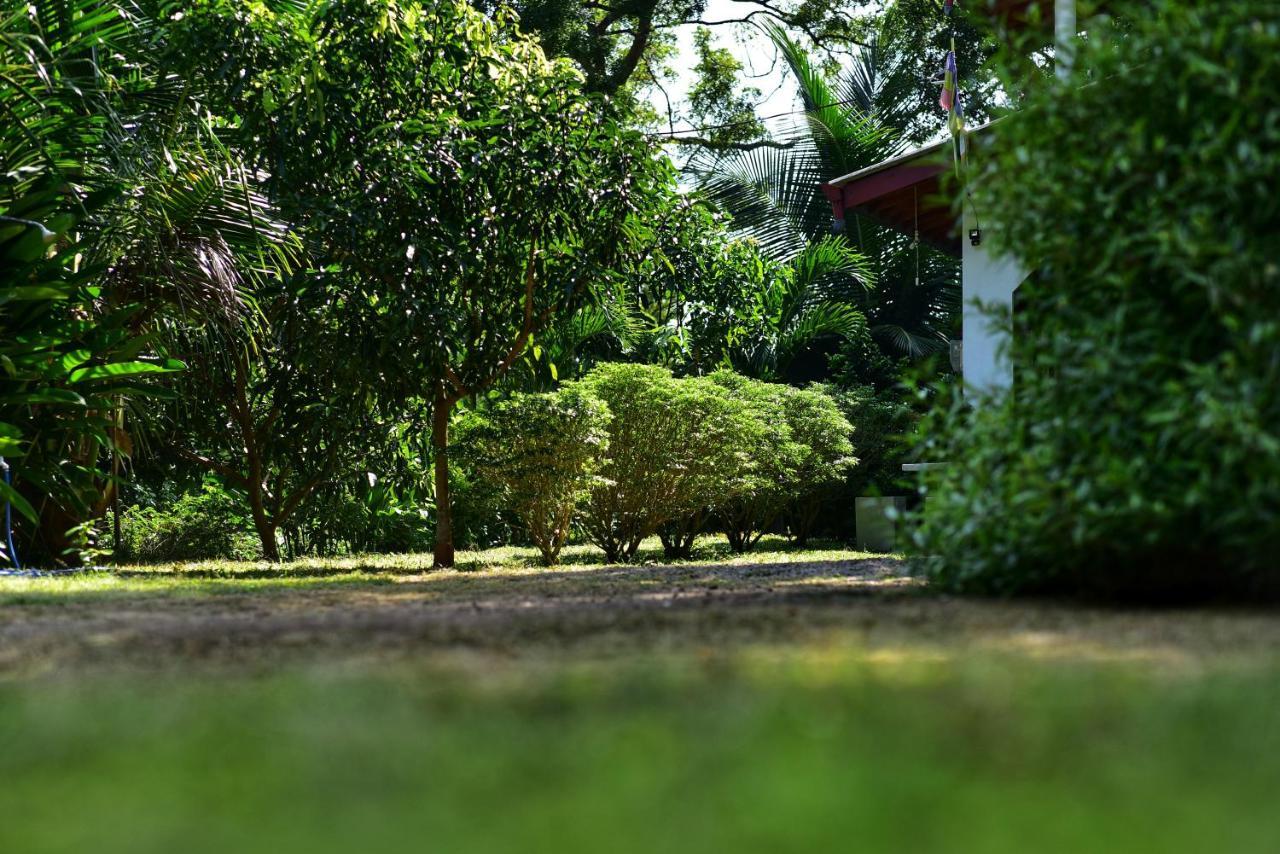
{"x":498,"y":605}
{"x":786,"y":701}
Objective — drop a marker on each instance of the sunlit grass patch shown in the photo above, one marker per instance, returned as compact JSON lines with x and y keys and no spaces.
{"x":581,"y":566}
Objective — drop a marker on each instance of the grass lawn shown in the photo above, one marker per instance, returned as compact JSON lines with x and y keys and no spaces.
{"x":785,"y":701}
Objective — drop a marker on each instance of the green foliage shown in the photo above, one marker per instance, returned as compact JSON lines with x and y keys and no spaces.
{"x":882,"y":424}
{"x":361,"y":513}
{"x":708,"y":300}
{"x":824,"y":460}
{"x":851,"y":121}
{"x":907,"y":45}
{"x":1139,"y":454}
{"x":75,"y":348}
{"x":800,"y":453}
{"x":768,"y":472}
{"x":543,"y":452}
{"x":715,"y":100}
{"x":206,"y":525}
{"x":676,"y":447}
{"x":623,"y":46}
{"x":460,"y":189}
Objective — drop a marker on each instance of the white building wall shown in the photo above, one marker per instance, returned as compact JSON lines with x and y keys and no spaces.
{"x":991,"y":281}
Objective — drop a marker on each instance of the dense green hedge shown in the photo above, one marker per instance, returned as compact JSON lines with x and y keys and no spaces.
{"x":1140,"y":453}
{"x":630,"y":451}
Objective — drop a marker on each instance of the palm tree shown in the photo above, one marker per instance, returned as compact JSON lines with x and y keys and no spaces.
{"x":772,"y":194}
{"x":792,"y":311}
{"x":123,"y":223}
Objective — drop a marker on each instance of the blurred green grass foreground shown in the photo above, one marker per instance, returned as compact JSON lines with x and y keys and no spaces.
{"x":785,"y":701}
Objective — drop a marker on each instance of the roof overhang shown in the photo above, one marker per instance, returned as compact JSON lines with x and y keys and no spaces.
{"x":905,"y":193}
{"x":910,"y":193}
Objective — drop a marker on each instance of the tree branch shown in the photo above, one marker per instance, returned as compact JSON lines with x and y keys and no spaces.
{"x":726,"y":146}
{"x":214,"y":466}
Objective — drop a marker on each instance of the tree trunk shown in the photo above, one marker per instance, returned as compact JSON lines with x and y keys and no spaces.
{"x":443,"y":553}
{"x":264,"y":526}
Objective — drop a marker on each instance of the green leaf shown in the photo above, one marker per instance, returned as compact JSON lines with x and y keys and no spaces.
{"x":33,"y":292}
{"x":125,"y":369}
{"x":9,"y":494}
{"x":48,"y":395}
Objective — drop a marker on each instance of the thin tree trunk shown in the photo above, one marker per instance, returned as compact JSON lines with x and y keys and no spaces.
{"x":443,"y":553}
{"x":265,"y":529}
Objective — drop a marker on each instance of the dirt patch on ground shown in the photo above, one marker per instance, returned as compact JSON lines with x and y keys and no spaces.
{"x":525,"y":615}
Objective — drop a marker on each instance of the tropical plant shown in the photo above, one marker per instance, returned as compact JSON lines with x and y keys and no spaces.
{"x":361,"y":513}
{"x":543,"y":452}
{"x":772,"y":195}
{"x":792,"y":309}
{"x":87,"y":117}
{"x":205,"y":525}
{"x":704,"y":300}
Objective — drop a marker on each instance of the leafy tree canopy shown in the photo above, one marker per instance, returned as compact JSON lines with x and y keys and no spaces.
{"x":460,"y":188}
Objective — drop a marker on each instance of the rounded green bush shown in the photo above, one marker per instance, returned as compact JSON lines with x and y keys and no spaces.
{"x":1139,"y":454}
{"x":542,"y":452}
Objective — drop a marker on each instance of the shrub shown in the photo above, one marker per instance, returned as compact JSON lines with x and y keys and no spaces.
{"x":676,"y":447}
{"x":801,"y":453}
{"x":542,"y":451}
{"x":1140,"y":453}
{"x":361,"y":513}
{"x":767,"y":479}
{"x":824,"y":455}
{"x":205,"y":525}
{"x":881,"y":423}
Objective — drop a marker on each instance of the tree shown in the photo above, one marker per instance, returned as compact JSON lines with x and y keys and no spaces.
{"x":618,"y":44}
{"x":124,"y":214}
{"x":283,"y":413}
{"x":463,"y":188}
{"x":849,"y":123}
{"x":543,"y":452}
{"x":715,"y":100}
{"x":704,"y":300}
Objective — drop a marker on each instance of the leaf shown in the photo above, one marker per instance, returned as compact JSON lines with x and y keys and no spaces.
{"x":48,"y":395}
{"x":33,"y":292}
{"x":125,"y":369}
{"x":9,"y":494}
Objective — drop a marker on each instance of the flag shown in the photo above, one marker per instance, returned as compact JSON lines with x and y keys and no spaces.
{"x":948,"y":99}
{"x":956,"y":123}
{"x":947,"y":6}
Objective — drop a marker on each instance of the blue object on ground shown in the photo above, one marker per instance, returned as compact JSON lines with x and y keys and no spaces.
{"x":8,"y":517}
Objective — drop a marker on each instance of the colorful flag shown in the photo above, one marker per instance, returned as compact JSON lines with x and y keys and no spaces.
{"x":948,"y":98}
{"x":956,"y":123}
{"x":946,"y":6}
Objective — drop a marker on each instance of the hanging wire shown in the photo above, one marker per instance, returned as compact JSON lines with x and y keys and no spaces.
{"x":915,"y":199}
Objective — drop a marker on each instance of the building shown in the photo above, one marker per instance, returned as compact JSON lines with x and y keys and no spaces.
{"x":911,"y":193}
